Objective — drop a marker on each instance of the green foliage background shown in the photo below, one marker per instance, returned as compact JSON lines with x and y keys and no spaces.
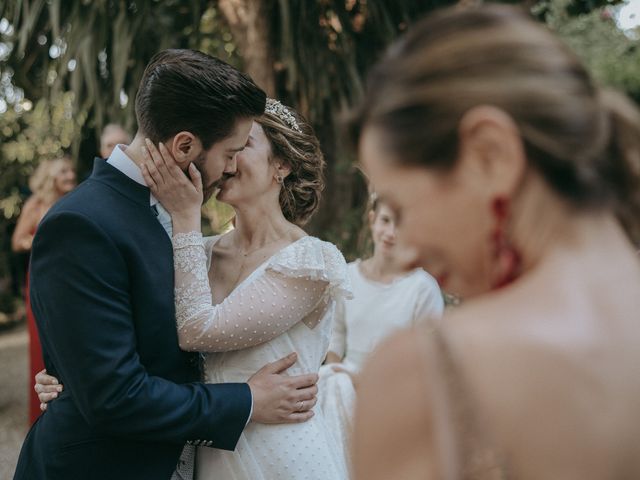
{"x":316,"y":52}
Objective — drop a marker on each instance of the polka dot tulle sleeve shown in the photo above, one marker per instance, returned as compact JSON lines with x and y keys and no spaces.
{"x":298,"y":284}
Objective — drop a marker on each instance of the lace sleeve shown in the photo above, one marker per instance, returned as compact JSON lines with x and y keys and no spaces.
{"x":252,"y":314}
{"x":192,"y":291}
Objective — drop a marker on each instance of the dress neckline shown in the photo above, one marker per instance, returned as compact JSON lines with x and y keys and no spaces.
{"x":258,"y":269}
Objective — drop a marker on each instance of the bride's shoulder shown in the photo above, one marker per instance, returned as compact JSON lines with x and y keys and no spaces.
{"x":312,"y":258}
{"x":327,"y":249}
{"x":309,"y":251}
{"x":304,"y":246}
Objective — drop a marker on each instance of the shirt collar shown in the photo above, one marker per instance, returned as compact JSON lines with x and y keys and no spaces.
{"x":120,"y":160}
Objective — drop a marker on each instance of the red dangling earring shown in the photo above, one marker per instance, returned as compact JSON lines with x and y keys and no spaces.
{"x":505,"y":256}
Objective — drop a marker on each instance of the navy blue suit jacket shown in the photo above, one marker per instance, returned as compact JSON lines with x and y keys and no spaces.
{"x":102,"y":293}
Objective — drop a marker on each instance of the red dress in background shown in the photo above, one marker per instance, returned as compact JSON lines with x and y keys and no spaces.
{"x":36,"y":363}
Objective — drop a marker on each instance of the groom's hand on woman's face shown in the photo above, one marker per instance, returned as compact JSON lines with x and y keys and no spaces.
{"x":280,"y":398}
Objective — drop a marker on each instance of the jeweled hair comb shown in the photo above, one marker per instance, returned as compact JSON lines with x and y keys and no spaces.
{"x":274,"y":107}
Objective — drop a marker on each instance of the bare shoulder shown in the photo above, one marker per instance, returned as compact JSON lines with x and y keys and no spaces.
{"x":536,"y":360}
{"x":393,"y":425}
{"x":500,"y":343}
{"x":32,"y":206}
{"x":513,"y":321}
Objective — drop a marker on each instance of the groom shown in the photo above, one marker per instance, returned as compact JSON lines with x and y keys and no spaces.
{"x":102,"y":294}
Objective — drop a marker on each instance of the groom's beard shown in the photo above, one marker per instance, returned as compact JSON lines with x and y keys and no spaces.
{"x":209,"y":187}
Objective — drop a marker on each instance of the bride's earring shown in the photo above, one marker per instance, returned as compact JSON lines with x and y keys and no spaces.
{"x":506,"y":257}
{"x":279,"y":179}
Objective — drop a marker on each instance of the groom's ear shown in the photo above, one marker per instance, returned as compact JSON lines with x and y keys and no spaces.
{"x":185,"y":147}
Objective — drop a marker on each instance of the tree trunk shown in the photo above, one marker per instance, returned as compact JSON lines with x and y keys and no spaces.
{"x":248,"y":21}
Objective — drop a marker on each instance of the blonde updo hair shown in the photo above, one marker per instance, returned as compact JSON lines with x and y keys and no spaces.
{"x":300,"y":151}
{"x":584,"y":142}
{"x":42,"y":182}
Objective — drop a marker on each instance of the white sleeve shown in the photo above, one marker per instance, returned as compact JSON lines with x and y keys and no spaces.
{"x":259,"y":311}
{"x":430,"y":302}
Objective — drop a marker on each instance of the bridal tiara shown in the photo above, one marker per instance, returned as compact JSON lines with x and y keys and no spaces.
{"x":274,"y":107}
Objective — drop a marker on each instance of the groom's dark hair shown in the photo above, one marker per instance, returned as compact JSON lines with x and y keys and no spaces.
{"x":187,"y":90}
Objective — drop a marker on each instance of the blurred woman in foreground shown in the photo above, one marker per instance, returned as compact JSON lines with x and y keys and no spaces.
{"x":517,"y":179}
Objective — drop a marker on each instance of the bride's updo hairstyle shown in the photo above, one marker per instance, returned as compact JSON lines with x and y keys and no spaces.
{"x":583,"y":141}
{"x":294,"y":142}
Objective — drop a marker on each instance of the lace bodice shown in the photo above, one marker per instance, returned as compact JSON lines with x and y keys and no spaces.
{"x":297,"y":284}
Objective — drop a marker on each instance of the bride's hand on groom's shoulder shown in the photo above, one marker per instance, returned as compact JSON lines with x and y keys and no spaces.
{"x":280,"y":398}
{"x":180,"y":195}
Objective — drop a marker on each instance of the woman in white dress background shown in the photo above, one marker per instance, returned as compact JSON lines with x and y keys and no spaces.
{"x":386,"y":297}
{"x":259,"y":292}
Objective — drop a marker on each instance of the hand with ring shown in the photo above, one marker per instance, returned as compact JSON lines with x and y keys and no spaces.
{"x":281,"y":398}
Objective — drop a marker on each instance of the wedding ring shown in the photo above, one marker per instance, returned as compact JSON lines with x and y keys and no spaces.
{"x":301,"y":405}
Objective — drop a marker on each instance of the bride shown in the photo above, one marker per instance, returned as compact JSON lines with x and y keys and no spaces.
{"x":259,"y":292}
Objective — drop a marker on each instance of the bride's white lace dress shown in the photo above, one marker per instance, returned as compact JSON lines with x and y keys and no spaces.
{"x":287,"y":304}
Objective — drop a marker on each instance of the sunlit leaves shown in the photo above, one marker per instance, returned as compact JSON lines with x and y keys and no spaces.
{"x":612,"y":57}
{"x":44,"y":131}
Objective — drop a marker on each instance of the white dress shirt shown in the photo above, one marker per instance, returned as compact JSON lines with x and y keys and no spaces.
{"x":121,"y":161}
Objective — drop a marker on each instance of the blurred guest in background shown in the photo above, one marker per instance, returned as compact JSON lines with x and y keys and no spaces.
{"x":386,"y":297}
{"x":50,"y":181}
{"x":517,"y":179}
{"x":112,"y":134}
